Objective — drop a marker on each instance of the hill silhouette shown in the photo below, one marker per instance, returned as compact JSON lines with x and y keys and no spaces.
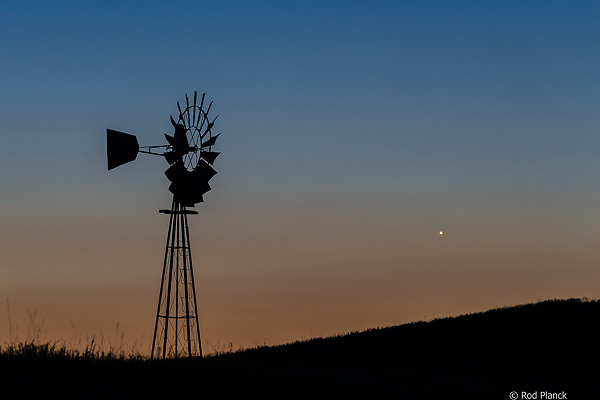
{"x":550,"y":346}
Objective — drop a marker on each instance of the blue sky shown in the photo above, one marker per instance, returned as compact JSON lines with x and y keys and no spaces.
{"x":353,"y":132}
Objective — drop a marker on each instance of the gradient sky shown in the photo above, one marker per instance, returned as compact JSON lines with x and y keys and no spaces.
{"x":352,"y":134}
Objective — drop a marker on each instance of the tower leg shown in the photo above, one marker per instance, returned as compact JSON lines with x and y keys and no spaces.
{"x":176,"y":329}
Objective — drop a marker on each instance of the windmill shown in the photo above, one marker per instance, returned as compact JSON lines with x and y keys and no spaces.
{"x":190,"y":158}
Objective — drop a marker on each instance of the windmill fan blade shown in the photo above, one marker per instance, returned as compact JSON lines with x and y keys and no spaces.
{"x":179,"y":128}
{"x":187,"y":114}
{"x":211,"y":141}
{"x":171,"y":156}
{"x":170,"y":139}
{"x":194,"y":108}
{"x":121,"y":148}
{"x":177,"y":172}
{"x":209,"y":156}
{"x":180,"y":113}
{"x":203,"y":171}
{"x":200,"y":112}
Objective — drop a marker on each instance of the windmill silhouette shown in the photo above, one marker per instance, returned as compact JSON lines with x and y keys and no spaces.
{"x":190,"y":158}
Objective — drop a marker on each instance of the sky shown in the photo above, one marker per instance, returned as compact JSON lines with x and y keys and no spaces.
{"x":353,"y":133}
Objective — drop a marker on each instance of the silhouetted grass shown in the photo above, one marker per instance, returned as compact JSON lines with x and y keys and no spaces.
{"x":548,"y":346}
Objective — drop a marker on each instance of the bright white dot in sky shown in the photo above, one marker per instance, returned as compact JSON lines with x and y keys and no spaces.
{"x":441,"y":232}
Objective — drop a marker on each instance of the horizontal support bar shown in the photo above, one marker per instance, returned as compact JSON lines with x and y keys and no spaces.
{"x":178,"y":212}
{"x":150,"y":152}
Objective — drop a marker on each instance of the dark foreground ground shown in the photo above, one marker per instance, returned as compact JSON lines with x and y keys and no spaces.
{"x":552,"y":346}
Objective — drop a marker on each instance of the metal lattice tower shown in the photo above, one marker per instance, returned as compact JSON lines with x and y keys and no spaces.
{"x":177,"y":330}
